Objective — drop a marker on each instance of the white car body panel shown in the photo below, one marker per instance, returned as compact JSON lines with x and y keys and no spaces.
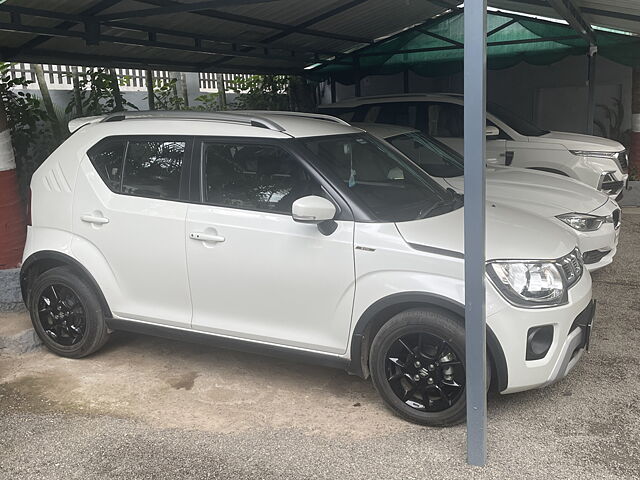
{"x":550,"y":151}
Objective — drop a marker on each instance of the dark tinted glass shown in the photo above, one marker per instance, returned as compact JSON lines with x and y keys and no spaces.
{"x":392,"y":188}
{"x":432,"y":156}
{"x":107,"y":160}
{"x":254,"y":177}
{"x":152,"y":169}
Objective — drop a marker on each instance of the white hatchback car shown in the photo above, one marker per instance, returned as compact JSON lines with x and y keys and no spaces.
{"x":588,"y":213}
{"x":292,"y":235}
{"x":512,"y":141}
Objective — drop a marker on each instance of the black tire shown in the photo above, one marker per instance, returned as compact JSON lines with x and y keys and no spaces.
{"x":81,"y":329}
{"x":433,"y":388}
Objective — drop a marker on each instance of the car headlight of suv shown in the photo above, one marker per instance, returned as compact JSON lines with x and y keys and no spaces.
{"x":536,"y":283}
{"x":582,"y":222}
{"x":587,"y":153}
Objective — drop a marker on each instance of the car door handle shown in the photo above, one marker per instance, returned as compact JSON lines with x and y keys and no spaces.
{"x":94,"y":219}
{"x":206,"y":237}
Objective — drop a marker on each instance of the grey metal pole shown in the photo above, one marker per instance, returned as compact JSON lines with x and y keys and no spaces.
{"x":475,"y":75}
{"x":591,"y":105}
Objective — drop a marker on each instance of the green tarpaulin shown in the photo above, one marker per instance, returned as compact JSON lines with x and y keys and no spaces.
{"x":435,"y":48}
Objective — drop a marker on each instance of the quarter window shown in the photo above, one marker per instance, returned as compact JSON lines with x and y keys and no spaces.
{"x":146,"y":168}
{"x":254,"y":177}
{"x":152,"y":169}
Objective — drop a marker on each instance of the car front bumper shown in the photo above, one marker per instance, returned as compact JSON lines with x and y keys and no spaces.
{"x":512,"y":325}
{"x":598,"y":248}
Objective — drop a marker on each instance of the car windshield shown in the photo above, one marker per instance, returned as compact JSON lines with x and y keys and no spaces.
{"x":432,"y":156}
{"x":385,"y":182}
{"x":519,"y":124}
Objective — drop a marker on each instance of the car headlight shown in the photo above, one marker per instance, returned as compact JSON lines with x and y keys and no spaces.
{"x":587,"y":153}
{"x":582,"y":222}
{"x":536,"y":283}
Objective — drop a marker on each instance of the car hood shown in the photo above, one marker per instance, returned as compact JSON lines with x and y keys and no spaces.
{"x":576,"y":141}
{"x":540,"y":193}
{"x":511,"y":234}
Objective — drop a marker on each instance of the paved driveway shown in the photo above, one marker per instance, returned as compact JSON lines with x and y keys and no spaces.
{"x":150,"y":408}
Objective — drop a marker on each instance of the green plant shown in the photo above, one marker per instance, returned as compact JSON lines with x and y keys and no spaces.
{"x":209,"y":102}
{"x":614,"y":116}
{"x":166,"y":96}
{"x":99,"y":93}
{"x":30,"y":126}
{"x":261,"y":92}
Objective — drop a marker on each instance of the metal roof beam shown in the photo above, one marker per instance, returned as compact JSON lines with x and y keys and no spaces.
{"x":179,"y":8}
{"x":569,"y":11}
{"x":93,"y":37}
{"x":244,"y":20}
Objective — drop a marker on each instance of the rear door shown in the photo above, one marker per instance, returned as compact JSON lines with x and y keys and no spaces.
{"x":254,"y":272}
{"x":128,"y":206}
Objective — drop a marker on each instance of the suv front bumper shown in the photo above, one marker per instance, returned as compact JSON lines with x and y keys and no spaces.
{"x":512,"y":326}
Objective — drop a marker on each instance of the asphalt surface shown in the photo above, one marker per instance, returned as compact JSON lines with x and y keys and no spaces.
{"x":147,"y":408}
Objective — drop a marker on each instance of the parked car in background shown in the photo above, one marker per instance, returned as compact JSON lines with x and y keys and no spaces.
{"x":588,"y":213}
{"x":293,"y":235}
{"x":511,"y":140}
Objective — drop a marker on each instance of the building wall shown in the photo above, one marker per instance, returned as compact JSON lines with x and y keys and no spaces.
{"x":554,"y":96}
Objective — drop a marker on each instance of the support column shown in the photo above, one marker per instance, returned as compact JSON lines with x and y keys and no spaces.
{"x":634,"y":160}
{"x":591,"y":105}
{"x":405,"y":81}
{"x":332,"y":80}
{"x":151,"y":98}
{"x":475,"y":91}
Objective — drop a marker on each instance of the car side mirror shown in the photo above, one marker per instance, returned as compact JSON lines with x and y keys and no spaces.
{"x":313,"y":209}
{"x":491,"y":131}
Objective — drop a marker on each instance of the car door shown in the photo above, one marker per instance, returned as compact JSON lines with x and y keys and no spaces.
{"x":445,"y":122}
{"x":128,"y":206}
{"x":254,"y":272}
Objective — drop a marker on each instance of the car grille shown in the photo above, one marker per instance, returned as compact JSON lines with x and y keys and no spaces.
{"x":572,"y":266}
{"x":594,"y":256}
{"x":623,"y":161}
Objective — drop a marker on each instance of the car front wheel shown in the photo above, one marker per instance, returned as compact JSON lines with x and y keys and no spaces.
{"x":417,"y":366}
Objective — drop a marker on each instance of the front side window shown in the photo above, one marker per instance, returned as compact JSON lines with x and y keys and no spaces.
{"x":254,"y":177}
{"x":383,"y":181}
{"x":432,"y":156}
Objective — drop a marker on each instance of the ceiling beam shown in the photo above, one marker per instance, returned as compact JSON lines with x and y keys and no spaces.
{"x":150,"y":42}
{"x":178,"y":8}
{"x":257,"y":22}
{"x":569,"y":11}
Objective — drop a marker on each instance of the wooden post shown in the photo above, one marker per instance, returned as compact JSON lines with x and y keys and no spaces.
{"x":222,"y":93}
{"x":77,"y":97}
{"x":151,"y":98}
{"x":117,"y":95}
{"x":46,"y":99}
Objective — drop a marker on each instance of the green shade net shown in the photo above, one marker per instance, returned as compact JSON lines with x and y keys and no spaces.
{"x":435,"y":48}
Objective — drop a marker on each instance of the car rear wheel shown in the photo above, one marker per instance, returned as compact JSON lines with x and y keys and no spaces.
{"x":417,"y":366}
{"x":66,"y":313}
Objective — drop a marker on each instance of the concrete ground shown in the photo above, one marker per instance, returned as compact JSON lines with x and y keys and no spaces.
{"x":150,"y":408}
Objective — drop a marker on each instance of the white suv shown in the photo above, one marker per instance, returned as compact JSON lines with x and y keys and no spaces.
{"x":589,"y":214}
{"x":511,"y":140}
{"x":295,"y":235}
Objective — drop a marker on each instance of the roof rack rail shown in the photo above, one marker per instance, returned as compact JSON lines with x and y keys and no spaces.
{"x":235,"y":117}
{"x":317,"y":116}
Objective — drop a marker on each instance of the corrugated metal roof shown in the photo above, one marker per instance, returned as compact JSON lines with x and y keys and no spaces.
{"x":264,"y":36}
{"x":617,"y":14}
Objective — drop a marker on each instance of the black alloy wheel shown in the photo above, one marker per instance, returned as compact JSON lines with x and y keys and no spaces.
{"x":61,"y":315}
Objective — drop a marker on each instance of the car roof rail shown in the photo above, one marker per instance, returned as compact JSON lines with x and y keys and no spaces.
{"x":235,"y":117}
{"x":284,"y":113}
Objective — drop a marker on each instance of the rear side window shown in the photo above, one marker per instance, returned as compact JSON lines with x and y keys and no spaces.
{"x":140,"y":167}
{"x":153,"y":168}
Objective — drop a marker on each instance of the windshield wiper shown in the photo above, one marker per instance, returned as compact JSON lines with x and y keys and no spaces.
{"x":456,"y":200}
